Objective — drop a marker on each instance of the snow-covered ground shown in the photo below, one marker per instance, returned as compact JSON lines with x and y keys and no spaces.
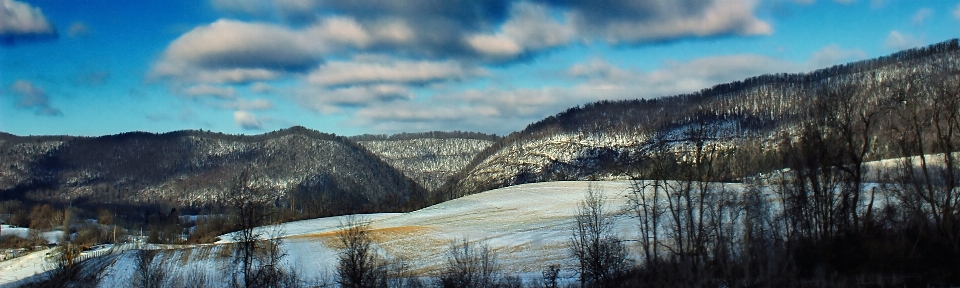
{"x":25,"y":266}
{"x":528,"y":225}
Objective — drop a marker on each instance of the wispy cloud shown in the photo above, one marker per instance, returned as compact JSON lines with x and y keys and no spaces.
{"x":248,"y":105}
{"x":32,"y":97}
{"x":205,"y":90}
{"x":899,"y":41}
{"x":921,"y":16}
{"x":382,"y":69}
{"x":500,"y":110}
{"x":93,"y":78}
{"x":78,"y":29}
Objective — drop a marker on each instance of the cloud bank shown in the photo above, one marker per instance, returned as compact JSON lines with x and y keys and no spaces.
{"x":373,"y":59}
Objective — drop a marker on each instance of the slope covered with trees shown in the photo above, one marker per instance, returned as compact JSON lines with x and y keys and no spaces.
{"x":758,"y":116}
{"x":429,"y":158}
{"x":303,"y":170}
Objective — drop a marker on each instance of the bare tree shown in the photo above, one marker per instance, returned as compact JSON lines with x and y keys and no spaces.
{"x":470,"y":265}
{"x":147,"y":273}
{"x":551,"y":275}
{"x":930,"y":132}
{"x":257,"y":251}
{"x":601,"y":255}
{"x":646,"y":199}
{"x":193,"y":278}
{"x":359,"y":263}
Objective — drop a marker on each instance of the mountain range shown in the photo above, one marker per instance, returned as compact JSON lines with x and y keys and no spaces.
{"x":328,"y":174}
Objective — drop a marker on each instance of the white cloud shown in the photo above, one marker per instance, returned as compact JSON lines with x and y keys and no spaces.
{"x":921,"y":16}
{"x":651,"y":21}
{"x":900,"y":41}
{"x":247,"y":120}
{"x":373,"y":70}
{"x":229,"y":51}
{"x":956,"y":12}
{"x":529,"y":28}
{"x":234,"y":44}
{"x":19,"y":20}
{"x":205,"y":90}
{"x":495,"y":45}
{"x":32,"y":97}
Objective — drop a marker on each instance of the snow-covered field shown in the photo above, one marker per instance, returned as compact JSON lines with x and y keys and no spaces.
{"x":527,"y":225}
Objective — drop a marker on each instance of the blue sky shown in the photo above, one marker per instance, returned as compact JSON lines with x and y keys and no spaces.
{"x":379,"y":66}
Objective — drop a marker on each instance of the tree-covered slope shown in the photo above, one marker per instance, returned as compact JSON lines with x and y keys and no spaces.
{"x":301,"y":168}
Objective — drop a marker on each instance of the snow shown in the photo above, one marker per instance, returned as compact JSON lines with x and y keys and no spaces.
{"x":23,"y":267}
{"x":529,"y":225}
{"x":52,"y":237}
{"x":21,"y":232}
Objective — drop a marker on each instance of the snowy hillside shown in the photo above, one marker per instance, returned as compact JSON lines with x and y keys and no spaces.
{"x":429,"y":161}
{"x":528,"y":225}
{"x":603,"y":140}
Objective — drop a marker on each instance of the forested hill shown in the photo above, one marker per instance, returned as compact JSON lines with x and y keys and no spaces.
{"x":298,"y":169}
{"x":429,"y":158}
{"x":864,"y":103}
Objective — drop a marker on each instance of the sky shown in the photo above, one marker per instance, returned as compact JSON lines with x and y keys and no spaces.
{"x":350,"y":67}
